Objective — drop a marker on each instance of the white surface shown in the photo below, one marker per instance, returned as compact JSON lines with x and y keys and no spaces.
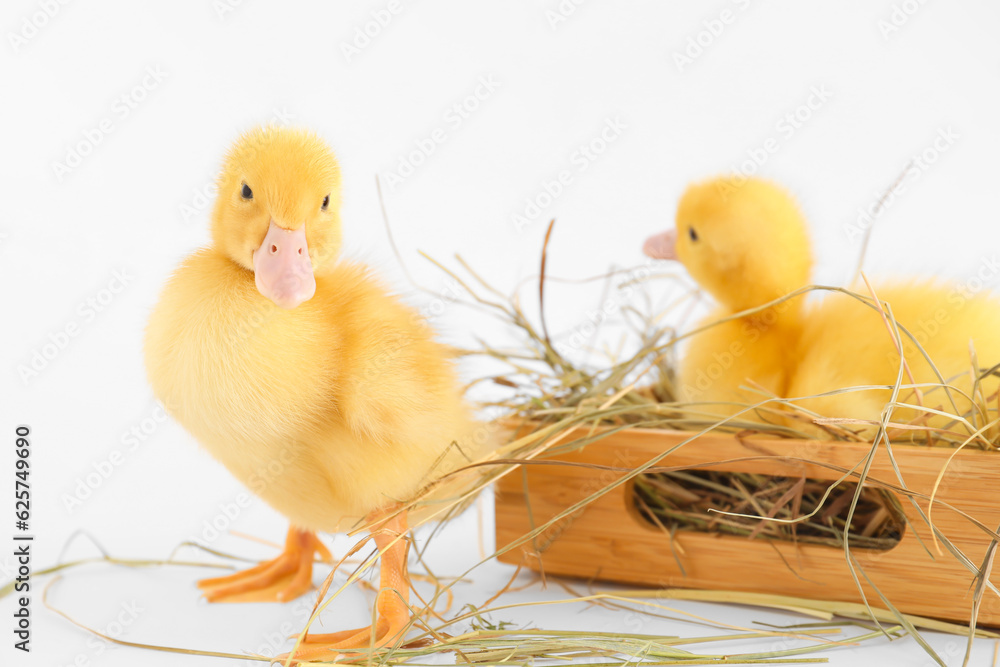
{"x":135,"y":204}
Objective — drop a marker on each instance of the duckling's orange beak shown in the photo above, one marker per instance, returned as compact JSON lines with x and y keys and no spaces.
{"x":282,"y":268}
{"x":661,"y":246}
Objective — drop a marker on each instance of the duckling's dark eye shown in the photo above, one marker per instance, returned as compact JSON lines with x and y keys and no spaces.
{"x":326,"y":202}
{"x":693,"y":234}
{"x":246,"y":192}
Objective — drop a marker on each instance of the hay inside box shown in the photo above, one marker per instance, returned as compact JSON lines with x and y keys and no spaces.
{"x":610,"y":539}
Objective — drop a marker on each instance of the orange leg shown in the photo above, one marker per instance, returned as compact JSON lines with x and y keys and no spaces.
{"x":392,"y":604}
{"x":279,"y":580}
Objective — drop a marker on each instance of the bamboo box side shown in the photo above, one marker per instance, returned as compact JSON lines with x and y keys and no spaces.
{"x":608,"y":539}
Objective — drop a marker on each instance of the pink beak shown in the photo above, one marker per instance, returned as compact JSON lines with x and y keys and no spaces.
{"x":661,"y":246}
{"x":282,"y":268}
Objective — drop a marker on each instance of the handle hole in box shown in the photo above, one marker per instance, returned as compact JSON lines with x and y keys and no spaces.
{"x":681,"y":501}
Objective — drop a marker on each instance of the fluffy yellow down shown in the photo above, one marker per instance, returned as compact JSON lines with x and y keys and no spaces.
{"x":746,"y":243}
{"x":327,"y":411}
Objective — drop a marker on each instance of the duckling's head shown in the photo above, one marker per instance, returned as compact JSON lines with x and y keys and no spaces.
{"x":744,"y":241}
{"x":278,"y":210}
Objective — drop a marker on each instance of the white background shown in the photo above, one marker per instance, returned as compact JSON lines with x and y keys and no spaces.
{"x":135,"y":204}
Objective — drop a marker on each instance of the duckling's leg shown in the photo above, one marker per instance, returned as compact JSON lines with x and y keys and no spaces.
{"x":392,"y":605}
{"x":279,"y":580}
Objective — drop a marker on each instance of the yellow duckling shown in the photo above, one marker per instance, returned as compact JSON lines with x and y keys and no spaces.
{"x":277,"y":357}
{"x":746,"y":243}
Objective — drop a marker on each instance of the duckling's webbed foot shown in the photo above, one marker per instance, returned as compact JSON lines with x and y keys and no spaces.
{"x":279,"y":580}
{"x":392,"y":608}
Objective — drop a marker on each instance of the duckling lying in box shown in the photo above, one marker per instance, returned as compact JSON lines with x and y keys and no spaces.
{"x":746,"y":243}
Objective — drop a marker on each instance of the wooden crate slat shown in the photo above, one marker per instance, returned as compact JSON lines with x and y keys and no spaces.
{"x":609,"y":540}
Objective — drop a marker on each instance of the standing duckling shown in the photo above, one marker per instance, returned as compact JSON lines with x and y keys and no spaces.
{"x":746,"y":243}
{"x":274,"y":355}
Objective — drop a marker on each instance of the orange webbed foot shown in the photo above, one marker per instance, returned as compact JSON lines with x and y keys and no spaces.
{"x":392,"y":608}
{"x":344,"y":646}
{"x":278,"y":580}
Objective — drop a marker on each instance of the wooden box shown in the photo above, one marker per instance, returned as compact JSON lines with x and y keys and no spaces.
{"x":609,"y":540}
